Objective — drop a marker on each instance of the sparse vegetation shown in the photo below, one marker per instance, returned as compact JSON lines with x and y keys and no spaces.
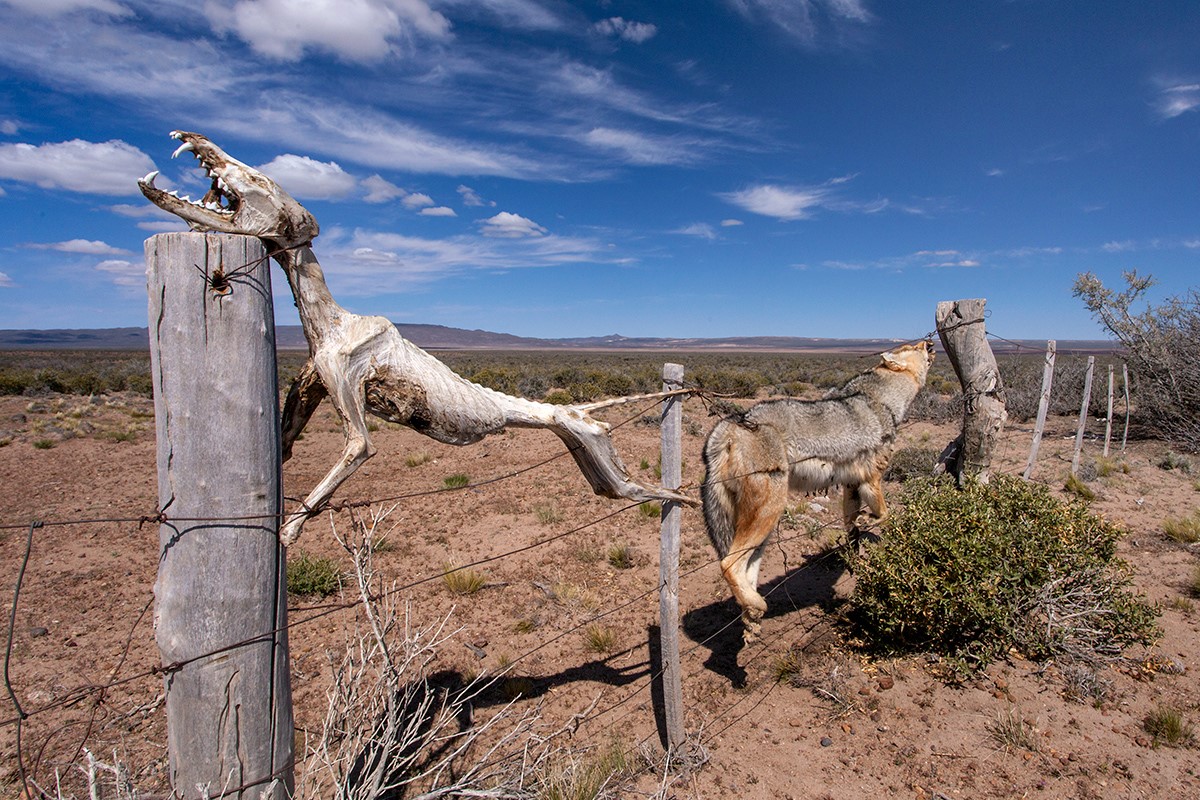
{"x":547,"y":513}
{"x":1183,"y":529}
{"x":1011,"y":733}
{"x":1175,"y":461}
{"x":44,"y":444}
{"x":463,"y":581}
{"x":650,"y":510}
{"x":312,"y":576}
{"x":1076,"y":486}
{"x":600,"y":638}
{"x":620,"y":556}
{"x":971,"y":573}
{"x":456,"y":481}
{"x":417,"y":459}
{"x":1168,"y":726}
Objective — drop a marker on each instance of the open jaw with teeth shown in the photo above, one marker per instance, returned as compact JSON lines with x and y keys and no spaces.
{"x":240,"y":198}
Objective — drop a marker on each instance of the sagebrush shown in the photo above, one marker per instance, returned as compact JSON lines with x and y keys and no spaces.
{"x":971,"y":573}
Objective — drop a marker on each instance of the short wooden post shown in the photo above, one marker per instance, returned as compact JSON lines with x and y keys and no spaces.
{"x":1043,"y":406}
{"x":1108,"y":416}
{"x":220,"y":598}
{"x":960,"y":326}
{"x":668,"y":560}
{"x":1083,"y":410}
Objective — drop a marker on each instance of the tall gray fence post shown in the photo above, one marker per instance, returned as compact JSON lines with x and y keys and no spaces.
{"x":220,"y":598}
{"x":1083,"y":411}
{"x":1043,"y":406}
{"x":668,"y":559}
{"x":1108,"y":416}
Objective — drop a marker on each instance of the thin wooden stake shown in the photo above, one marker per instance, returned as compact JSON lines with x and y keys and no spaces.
{"x":1083,"y":409}
{"x":1125,"y":385}
{"x":1043,"y":406}
{"x":220,"y":597}
{"x":668,"y":560}
{"x":1108,"y":417}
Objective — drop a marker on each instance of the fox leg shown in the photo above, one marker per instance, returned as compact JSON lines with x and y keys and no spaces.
{"x":349,"y":401}
{"x":871,"y":493}
{"x":760,"y":501}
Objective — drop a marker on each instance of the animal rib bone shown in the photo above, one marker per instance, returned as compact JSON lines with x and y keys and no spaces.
{"x":362,"y":364}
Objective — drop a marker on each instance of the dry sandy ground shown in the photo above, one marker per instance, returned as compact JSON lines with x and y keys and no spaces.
{"x":897,"y":731}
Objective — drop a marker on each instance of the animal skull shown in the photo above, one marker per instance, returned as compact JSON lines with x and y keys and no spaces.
{"x":241,"y":200}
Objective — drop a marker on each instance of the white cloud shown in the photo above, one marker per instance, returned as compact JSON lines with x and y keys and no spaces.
{"x":308,"y":178}
{"x":1176,"y":98}
{"x":993,"y":172}
{"x":9,"y":127}
{"x":630,"y":31}
{"x":54,"y":8}
{"x":438,"y":211}
{"x":782,"y":202}
{"x":92,"y":247}
{"x":417,"y":200}
{"x":124,"y":273}
{"x":965,"y":262}
{"x":1119,"y":247}
{"x":1192,"y":244}
{"x":729,"y":223}
{"x":640,"y":148}
{"x":5,"y":280}
{"x":380,"y":190}
{"x":801,"y":19}
{"x":511,"y":226}
{"x":146,"y":209}
{"x":471,"y":198}
{"x":354,"y":30}
{"x":94,"y":168}
{"x":701,"y":229}
{"x":166,"y":226}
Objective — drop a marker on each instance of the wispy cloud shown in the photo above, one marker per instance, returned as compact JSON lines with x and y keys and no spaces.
{"x":1176,"y":97}
{"x":5,"y":281}
{"x":55,"y":8}
{"x":807,"y":20}
{"x":438,"y":211}
{"x":643,"y":148}
{"x":471,"y":198}
{"x":110,"y":168}
{"x":417,"y":200}
{"x":729,"y":223}
{"x":1119,"y":247}
{"x":699,"y":229}
{"x":786,"y":203}
{"x":310,"y":179}
{"x":89,"y":247}
{"x":630,"y":31}
{"x":352,"y":30}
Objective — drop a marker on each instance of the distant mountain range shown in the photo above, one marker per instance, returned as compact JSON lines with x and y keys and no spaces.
{"x":440,"y":337}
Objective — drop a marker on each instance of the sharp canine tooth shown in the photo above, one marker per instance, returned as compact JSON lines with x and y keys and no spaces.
{"x":149,"y":179}
{"x":186,"y":147}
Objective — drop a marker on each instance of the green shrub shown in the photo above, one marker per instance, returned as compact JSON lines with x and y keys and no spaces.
{"x":456,"y":481}
{"x":1168,"y":726}
{"x":312,"y":576}
{"x":558,"y":397}
{"x":910,"y":462}
{"x":971,"y":573}
{"x":463,"y":581}
{"x":44,"y":444}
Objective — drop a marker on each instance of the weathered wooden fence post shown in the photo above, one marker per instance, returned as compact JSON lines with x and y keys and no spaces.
{"x":668,"y":560}
{"x":960,"y":326}
{"x":1108,"y":416}
{"x":1043,"y":406}
{"x":220,"y":598}
{"x":1125,"y":386}
{"x":1083,"y":411}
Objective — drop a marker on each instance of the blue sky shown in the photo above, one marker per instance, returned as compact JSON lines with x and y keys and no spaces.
{"x":669,"y":168}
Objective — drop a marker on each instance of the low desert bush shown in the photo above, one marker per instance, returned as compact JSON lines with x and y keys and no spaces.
{"x":970,"y":573}
{"x":910,"y":462}
{"x":620,"y":556}
{"x":600,"y":638}
{"x":312,"y":575}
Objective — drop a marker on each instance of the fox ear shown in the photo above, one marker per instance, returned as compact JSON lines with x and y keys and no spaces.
{"x":891,"y":362}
